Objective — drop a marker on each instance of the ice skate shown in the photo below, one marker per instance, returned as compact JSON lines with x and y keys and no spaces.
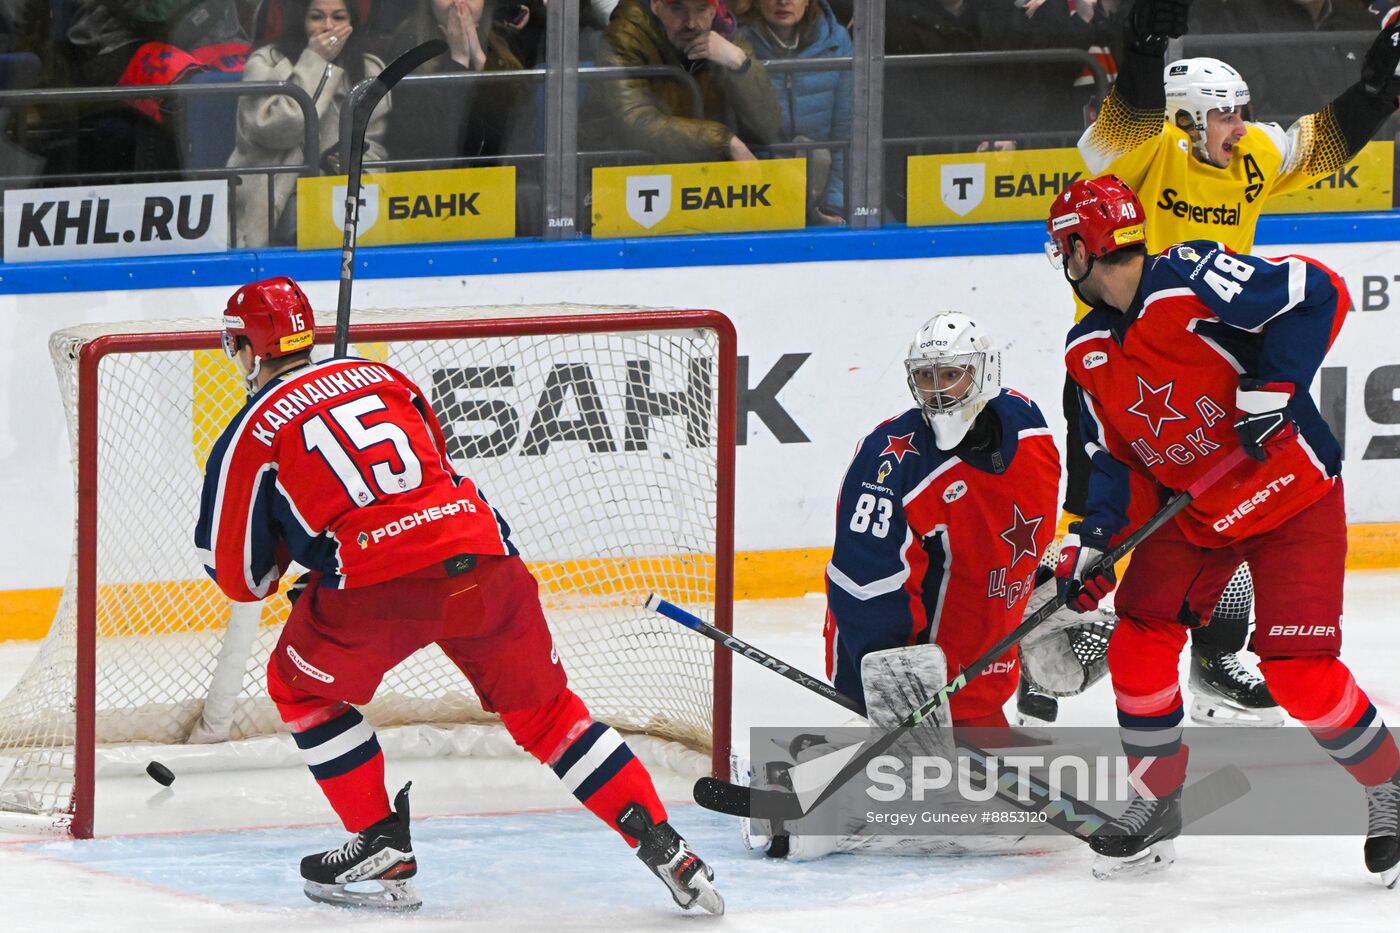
{"x":1034,"y":708}
{"x":1224,"y":693}
{"x":1140,"y":841}
{"x":378,"y":862}
{"x":662,"y":849}
{"x":1383,"y":831}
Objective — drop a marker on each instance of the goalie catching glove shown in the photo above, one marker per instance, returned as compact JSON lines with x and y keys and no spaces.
{"x":1067,"y":653}
{"x":1083,"y":577}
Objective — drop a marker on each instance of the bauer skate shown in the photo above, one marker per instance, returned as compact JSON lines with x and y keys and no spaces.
{"x":379,"y":862}
{"x":1140,"y":841}
{"x":1383,"y":830}
{"x":662,"y":849}
{"x":1225,"y":693}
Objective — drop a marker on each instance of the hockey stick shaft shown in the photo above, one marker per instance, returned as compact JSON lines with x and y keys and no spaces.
{"x":363,"y":98}
{"x":1065,"y":813}
{"x":1163,"y":515}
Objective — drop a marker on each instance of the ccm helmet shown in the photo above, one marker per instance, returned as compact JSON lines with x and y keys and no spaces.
{"x":1103,"y":212}
{"x":1195,"y":87}
{"x":954,"y":369}
{"x":274,"y":315}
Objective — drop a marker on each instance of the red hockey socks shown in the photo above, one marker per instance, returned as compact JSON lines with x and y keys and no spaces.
{"x":589,"y":757}
{"x":1142,"y":662}
{"x":1321,"y":694}
{"x":342,"y":751}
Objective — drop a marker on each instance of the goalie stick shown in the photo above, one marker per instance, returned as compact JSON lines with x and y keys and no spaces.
{"x":364,"y":97}
{"x":795,"y":808}
{"x":1065,"y":813}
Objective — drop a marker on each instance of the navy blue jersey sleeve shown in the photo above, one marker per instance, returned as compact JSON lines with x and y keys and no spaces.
{"x":1290,"y":302}
{"x":248,"y":520}
{"x":869,"y":568}
{"x":1109,"y":489}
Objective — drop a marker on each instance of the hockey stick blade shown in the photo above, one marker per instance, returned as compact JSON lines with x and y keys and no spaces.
{"x":1203,"y":797}
{"x":363,"y":98}
{"x":1200,"y":798}
{"x":739,"y":800}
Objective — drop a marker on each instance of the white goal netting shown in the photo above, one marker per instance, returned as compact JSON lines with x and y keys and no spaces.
{"x":601,"y":449}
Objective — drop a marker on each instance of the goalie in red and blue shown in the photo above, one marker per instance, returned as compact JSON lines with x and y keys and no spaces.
{"x":941,"y":521}
{"x":1188,"y":357}
{"x":341,"y":466}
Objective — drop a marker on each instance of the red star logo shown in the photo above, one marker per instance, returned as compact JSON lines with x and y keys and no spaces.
{"x":1021,"y":535}
{"x":1155,"y":405}
{"x":899,"y":446}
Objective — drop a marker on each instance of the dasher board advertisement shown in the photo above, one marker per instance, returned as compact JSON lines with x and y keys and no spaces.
{"x":106,"y":221}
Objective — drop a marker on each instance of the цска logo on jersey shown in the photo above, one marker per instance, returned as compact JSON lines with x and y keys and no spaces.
{"x":99,"y":221}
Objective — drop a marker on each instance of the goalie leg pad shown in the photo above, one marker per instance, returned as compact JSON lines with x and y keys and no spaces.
{"x":898,"y":681}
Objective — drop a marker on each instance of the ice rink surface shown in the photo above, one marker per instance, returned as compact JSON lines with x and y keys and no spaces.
{"x":502,"y":847}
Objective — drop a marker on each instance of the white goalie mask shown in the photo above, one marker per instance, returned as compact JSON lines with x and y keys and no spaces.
{"x":954,"y":369}
{"x":1196,"y":86}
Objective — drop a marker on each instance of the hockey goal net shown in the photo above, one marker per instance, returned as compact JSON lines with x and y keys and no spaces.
{"x":605,"y":436}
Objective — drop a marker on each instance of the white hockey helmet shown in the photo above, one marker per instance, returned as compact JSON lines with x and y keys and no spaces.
{"x":1196,"y":86}
{"x":954,"y":369}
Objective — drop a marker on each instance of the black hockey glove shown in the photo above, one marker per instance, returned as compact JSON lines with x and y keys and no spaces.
{"x":1260,"y":417}
{"x":1378,"y":69}
{"x":1152,"y":22}
{"x":1082,"y":576}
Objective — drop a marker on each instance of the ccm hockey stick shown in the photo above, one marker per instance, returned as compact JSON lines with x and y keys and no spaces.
{"x":1065,"y":813}
{"x":364,"y":97}
{"x":796,"y":808}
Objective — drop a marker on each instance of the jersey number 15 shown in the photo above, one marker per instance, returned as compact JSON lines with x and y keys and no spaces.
{"x":318,"y":436}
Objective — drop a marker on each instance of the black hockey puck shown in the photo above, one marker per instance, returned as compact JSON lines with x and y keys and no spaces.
{"x":160,"y":773}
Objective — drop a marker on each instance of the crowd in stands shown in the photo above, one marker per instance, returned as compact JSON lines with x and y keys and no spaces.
{"x":751,"y":61}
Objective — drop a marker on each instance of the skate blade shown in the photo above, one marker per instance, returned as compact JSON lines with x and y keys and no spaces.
{"x":1207,"y":713}
{"x":386,"y":895}
{"x":707,"y":898}
{"x":1390,"y":876}
{"x":1157,"y":857}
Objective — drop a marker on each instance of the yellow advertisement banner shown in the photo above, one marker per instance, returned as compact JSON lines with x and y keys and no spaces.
{"x":1365,"y":183}
{"x":410,"y":207}
{"x":990,"y":187}
{"x":700,"y":197}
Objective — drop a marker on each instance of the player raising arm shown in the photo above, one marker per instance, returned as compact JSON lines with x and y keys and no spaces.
{"x":341,"y":466}
{"x":1187,"y":357}
{"x":1180,"y":135}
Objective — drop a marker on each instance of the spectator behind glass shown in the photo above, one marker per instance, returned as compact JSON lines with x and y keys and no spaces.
{"x":655,"y":114}
{"x":1277,"y":90}
{"x":320,"y":51}
{"x":816,"y":105}
{"x":468,"y":119}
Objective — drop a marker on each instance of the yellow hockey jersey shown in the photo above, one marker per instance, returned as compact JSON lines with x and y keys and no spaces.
{"x":1187,"y":199}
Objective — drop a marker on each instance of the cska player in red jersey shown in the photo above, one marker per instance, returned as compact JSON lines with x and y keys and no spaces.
{"x":341,"y":466}
{"x":1186,"y":357}
{"x":941,"y":521}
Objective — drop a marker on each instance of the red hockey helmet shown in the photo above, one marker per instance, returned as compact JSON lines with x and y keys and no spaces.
{"x":274,"y":314}
{"x":1103,"y":212}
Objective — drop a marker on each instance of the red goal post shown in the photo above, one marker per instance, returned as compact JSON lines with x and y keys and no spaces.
{"x":605,"y":436}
